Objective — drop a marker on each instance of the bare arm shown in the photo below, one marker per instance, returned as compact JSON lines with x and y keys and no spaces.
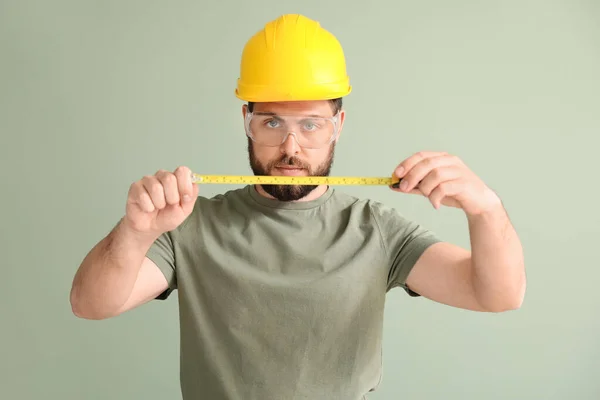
{"x":116,"y":276}
{"x":489,"y":278}
{"x":497,"y":262}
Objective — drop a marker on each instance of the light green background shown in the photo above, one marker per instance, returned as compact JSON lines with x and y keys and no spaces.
{"x":95,"y":94}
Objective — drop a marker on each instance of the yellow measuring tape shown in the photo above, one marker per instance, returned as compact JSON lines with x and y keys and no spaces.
{"x":294,"y":180}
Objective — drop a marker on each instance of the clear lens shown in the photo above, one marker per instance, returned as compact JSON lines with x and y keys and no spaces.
{"x":273,"y":130}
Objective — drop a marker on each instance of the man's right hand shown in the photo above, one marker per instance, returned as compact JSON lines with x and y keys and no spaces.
{"x":161,"y":202}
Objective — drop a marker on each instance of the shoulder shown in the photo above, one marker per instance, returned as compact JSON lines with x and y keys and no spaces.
{"x":376,"y":211}
{"x":211,"y":207}
{"x":386,"y":213}
{"x":375,"y":208}
{"x":392,"y":224}
{"x":228,"y":198}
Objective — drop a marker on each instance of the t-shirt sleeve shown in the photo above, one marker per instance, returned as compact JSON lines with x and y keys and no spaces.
{"x":162,"y":253}
{"x":404,"y":241}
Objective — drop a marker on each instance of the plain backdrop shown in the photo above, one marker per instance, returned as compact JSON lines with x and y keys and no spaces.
{"x":95,"y":94}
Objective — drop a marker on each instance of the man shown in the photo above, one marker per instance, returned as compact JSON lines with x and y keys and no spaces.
{"x":281,"y":288}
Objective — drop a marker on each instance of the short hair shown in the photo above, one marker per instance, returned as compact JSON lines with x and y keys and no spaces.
{"x":336,"y":104}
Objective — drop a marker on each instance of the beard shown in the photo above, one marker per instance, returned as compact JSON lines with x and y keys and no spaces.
{"x":289,"y":192}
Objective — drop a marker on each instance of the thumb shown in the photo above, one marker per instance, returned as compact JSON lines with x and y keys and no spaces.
{"x":188,"y":201}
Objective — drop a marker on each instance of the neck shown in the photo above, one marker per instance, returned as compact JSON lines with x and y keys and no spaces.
{"x":315,"y":194}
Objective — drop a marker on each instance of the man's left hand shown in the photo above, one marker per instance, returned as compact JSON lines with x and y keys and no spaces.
{"x":445,"y":180}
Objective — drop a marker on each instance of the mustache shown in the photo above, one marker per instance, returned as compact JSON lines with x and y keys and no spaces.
{"x":290,"y":162}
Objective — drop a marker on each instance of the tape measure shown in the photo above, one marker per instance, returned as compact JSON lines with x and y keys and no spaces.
{"x":294,"y":180}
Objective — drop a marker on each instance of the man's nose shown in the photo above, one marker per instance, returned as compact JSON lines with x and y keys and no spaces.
{"x":290,"y":145}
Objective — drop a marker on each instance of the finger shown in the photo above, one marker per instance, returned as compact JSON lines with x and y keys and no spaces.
{"x":414,"y":191}
{"x":140,"y":196}
{"x":155,"y":191}
{"x":437,"y":176}
{"x":188,"y":207}
{"x":184,"y":183}
{"x":413,"y":160}
{"x":443,"y":190}
{"x":420,"y":170}
{"x":169,"y":184}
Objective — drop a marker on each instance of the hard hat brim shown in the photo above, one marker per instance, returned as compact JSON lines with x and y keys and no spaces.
{"x":257,"y":94}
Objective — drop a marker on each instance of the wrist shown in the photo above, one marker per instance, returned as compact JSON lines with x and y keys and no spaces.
{"x":127,"y":232}
{"x":491,"y":206}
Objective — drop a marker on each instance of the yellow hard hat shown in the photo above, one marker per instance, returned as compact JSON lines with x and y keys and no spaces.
{"x":293,"y":58}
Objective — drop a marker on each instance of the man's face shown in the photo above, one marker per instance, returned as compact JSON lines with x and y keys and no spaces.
{"x":289,"y":158}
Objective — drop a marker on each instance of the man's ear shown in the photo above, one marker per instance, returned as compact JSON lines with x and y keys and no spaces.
{"x":244,"y":110}
{"x":342,"y":118}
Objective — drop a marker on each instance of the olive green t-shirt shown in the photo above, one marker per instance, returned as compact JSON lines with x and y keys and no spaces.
{"x":285,"y":300}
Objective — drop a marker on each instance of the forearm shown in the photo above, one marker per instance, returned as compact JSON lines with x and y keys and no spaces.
{"x":497,"y":260}
{"x":105,"y":278}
